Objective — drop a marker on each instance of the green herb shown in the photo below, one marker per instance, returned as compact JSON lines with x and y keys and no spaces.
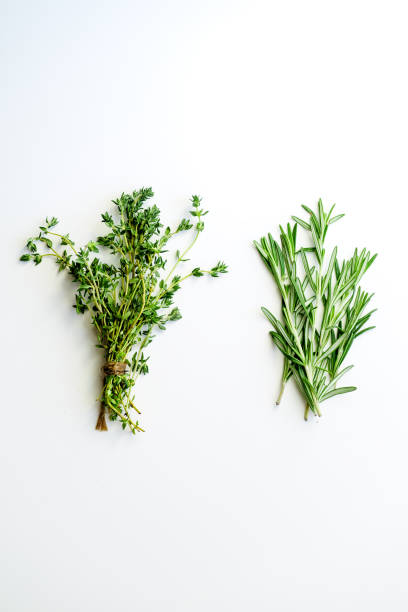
{"x":322,"y":307}
{"x":127,"y":300}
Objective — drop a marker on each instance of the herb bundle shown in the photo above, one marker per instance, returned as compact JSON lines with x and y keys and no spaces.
{"x":322,"y":307}
{"x":128,"y":300}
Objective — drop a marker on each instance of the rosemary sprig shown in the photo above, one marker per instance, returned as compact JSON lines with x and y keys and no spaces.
{"x":322,"y":307}
{"x":128,"y":300}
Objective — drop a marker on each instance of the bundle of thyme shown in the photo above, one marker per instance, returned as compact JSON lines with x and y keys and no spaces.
{"x":322,"y":307}
{"x":127,"y":300}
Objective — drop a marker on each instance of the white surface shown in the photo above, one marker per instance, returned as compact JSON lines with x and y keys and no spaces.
{"x":226,"y":502}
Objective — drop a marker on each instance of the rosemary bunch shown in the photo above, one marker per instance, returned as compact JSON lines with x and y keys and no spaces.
{"x":323,"y":307}
{"x":127,"y":300}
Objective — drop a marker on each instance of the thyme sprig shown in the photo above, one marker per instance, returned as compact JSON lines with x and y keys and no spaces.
{"x":323,"y":306}
{"x":130,"y":299}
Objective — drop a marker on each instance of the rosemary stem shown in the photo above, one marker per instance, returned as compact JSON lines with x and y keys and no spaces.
{"x":282,"y":389}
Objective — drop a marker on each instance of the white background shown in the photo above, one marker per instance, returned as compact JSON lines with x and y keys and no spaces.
{"x":226,"y":502}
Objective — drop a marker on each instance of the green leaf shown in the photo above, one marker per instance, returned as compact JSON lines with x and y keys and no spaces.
{"x":307,"y":269}
{"x":366,"y":329}
{"x":335,"y":380}
{"x":302,"y":223}
{"x":338,"y":391}
{"x":336,"y":218}
{"x":330,"y":268}
{"x":92,"y":247}
{"x":197,"y":272}
{"x":46,"y":241}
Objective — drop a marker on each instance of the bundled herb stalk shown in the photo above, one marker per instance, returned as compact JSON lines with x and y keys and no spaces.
{"x":322,"y":307}
{"x":127,"y":300}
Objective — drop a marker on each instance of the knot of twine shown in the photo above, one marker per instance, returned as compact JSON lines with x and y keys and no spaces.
{"x":114,"y":368}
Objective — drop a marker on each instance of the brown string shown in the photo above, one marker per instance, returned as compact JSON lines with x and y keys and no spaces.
{"x":111,"y":368}
{"x":114,"y":368}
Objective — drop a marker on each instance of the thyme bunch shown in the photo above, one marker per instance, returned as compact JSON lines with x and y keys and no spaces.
{"x":129,"y":299}
{"x":323,"y":306}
